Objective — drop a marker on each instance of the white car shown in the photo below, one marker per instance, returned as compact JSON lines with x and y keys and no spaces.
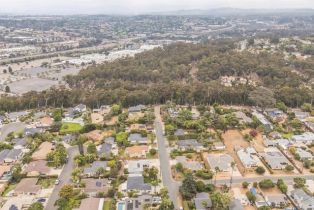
{"x":57,"y":181}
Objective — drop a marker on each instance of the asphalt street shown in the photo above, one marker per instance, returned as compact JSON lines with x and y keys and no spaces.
{"x":165,"y":168}
{"x":65,"y":177}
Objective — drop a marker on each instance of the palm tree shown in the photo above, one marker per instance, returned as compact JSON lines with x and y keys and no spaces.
{"x":216,"y":170}
{"x":232,"y":167}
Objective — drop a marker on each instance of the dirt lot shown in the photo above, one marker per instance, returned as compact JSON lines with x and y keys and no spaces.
{"x":231,"y":139}
{"x":112,"y":121}
{"x":97,"y":118}
{"x":257,"y":142}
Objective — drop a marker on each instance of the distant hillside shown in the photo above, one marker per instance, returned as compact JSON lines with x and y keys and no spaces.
{"x":235,"y":11}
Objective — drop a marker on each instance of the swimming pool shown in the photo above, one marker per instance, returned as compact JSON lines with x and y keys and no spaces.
{"x":121,"y":206}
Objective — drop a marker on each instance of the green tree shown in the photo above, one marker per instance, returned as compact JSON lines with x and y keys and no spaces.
{"x":116,"y":109}
{"x":220,"y":200}
{"x":250,"y":196}
{"x":66,"y":191}
{"x":262,"y":97}
{"x":91,"y":148}
{"x":36,"y":206}
{"x":299,"y":182}
{"x":122,"y":139}
{"x":289,"y":168}
{"x":282,"y":186}
{"x":7,"y":89}
{"x":188,"y":189}
{"x":266,"y":184}
{"x":260,"y":170}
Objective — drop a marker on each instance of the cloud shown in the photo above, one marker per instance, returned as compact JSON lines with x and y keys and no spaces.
{"x":138,"y":6}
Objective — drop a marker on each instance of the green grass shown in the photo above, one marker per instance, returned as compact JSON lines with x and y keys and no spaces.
{"x":69,"y":127}
{"x":186,"y":205}
{"x":8,"y":189}
{"x":47,"y":183}
{"x":287,"y":135}
{"x":107,"y":205}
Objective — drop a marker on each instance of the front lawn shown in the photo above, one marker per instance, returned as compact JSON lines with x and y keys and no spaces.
{"x":47,"y":182}
{"x":107,"y":205}
{"x":69,"y":127}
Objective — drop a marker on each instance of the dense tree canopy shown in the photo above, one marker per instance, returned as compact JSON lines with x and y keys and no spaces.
{"x":182,"y":73}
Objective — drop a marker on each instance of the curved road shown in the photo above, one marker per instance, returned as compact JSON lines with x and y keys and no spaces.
{"x":11,"y":127}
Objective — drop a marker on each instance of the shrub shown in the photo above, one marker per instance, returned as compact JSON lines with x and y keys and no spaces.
{"x":260,"y":170}
{"x":266,"y":184}
{"x":245,"y":184}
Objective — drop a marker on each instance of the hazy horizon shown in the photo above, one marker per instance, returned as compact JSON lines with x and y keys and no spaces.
{"x":63,"y":7}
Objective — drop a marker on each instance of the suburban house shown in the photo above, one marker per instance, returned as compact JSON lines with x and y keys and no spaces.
{"x":20,"y":143}
{"x":10,"y":156}
{"x":243,"y":118}
{"x":260,"y":201}
{"x":283,"y":143}
{"x":15,"y":116}
{"x":93,"y":170}
{"x":304,"y":155}
{"x":37,"y":167}
{"x":45,"y":122}
{"x":137,"y":127}
{"x":235,"y":204}
{"x":110,"y":140}
{"x":220,"y":161}
{"x":27,"y":186}
{"x":137,"y":166}
{"x":218,"y":146}
{"x":95,"y":135}
{"x":5,"y":173}
{"x":80,"y":108}
{"x":277,"y":200}
{"x":262,"y":119}
{"x":68,"y":138}
{"x":306,"y":138}
{"x":202,"y":201}
{"x":246,"y":157}
{"x":135,"y":183}
{"x":189,"y":164}
{"x":104,"y":150}
{"x":44,"y":149}
{"x":95,"y":186}
{"x":275,"y":135}
{"x":300,"y":115}
{"x":31,"y":131}
{"x":137,"y":108}
{"x":179,"y":132}
{"x":302,"y":199}
{"x":137,"y":203}
{"x":137,"y":138}
{"x":188,"y":144}
{"x":275,"y":160}
{"x":309,"y":125}
{"x":275,"y":114}
{"x":137,"y":151}
{"x":173,"y":112}
{"x":91,"y":204}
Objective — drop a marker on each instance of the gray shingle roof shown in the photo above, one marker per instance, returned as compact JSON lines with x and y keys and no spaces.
{"x":137,"y":138}
{"x":137,"y":183}
{"x":202,"y":201}
{"x":95,"y":165}
{"x":105,"y":149}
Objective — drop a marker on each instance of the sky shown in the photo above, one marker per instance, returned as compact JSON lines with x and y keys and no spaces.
{"x":138,"y":6}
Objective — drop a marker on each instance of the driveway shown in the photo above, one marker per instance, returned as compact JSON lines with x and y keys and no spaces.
{"x":172,"y":186}
{"x":65,"y":177}
{"x":11,"y":127}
